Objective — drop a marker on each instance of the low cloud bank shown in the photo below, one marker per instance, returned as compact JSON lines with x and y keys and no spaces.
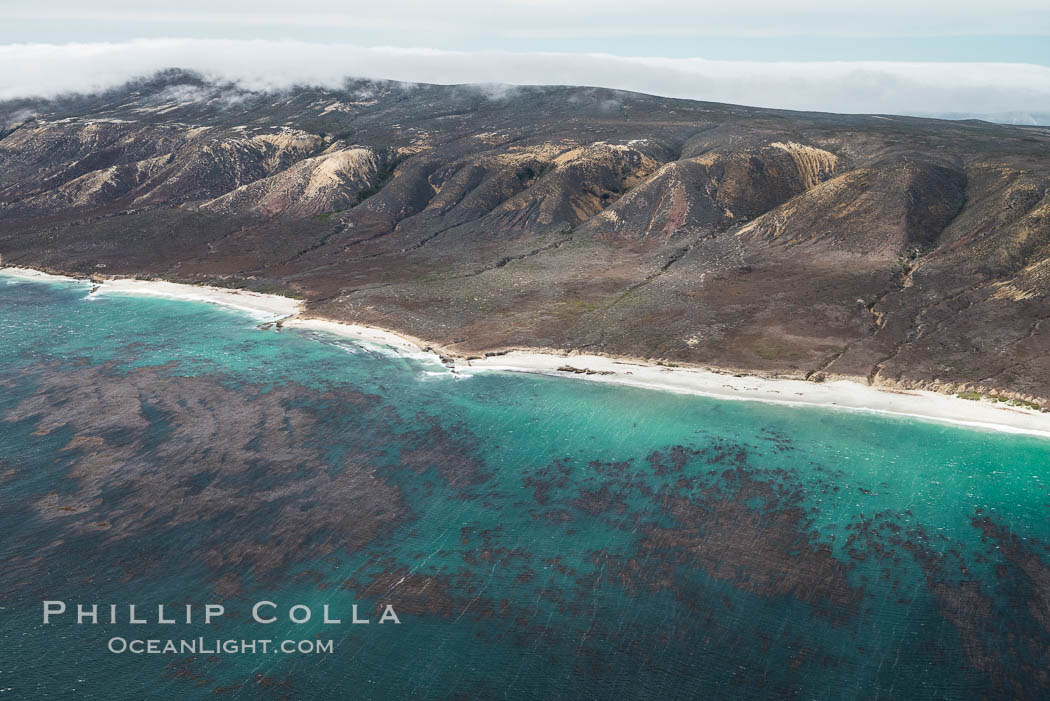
{"x":47,"y":70}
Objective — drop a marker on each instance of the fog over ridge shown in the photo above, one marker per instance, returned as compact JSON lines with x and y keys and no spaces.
{"x":926,"y":88}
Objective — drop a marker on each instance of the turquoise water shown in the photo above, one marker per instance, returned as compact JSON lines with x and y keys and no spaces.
{"x":537,"y":537}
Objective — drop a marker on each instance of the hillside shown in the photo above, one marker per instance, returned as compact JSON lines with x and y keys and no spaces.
{"x":901,"y":251}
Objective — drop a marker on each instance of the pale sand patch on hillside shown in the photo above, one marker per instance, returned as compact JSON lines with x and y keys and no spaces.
{"x":813,"y":164}
{"x":331,"y":168}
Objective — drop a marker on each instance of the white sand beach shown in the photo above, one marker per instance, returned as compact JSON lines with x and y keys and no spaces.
{"x":357,"y":332}
{"x":263,"y":306}
{"x":39,"y":275}
{"x":838,"y":394}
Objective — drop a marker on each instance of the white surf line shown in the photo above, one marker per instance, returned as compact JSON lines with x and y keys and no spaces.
{"x":838,"y":394}
{"x":270,"y":307}
{"x":38,"y":275}
{"x":843,"y":394}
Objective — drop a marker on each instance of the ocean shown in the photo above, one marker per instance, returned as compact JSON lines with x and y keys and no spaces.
{"x":535,"y":537}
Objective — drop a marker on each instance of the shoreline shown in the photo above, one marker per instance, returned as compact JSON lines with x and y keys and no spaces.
{"x":842,"y":394}
{"x":261,"y":306}
{"x":257,"y":304}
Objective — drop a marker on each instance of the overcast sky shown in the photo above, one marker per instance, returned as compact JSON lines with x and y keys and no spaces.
{"x":915,"y":56}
